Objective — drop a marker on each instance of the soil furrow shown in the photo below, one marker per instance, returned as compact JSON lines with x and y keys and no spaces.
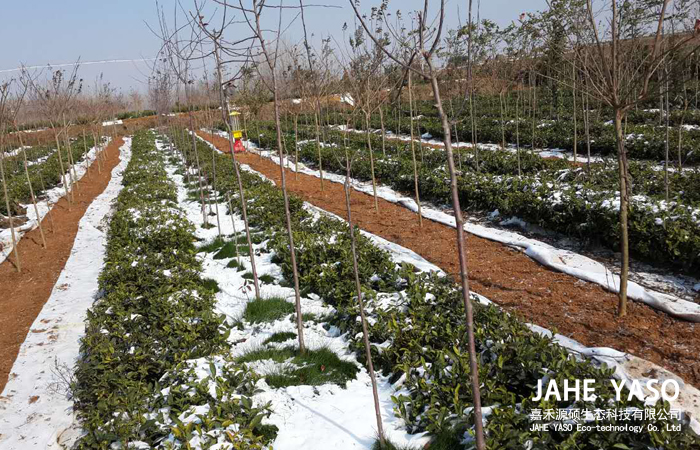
{"x":24,"y":294}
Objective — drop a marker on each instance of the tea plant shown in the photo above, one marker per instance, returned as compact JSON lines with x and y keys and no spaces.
{"x":154,"y":324}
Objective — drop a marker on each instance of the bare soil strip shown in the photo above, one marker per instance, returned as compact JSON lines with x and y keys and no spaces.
{"x":23,"y":295}
{"x":577,"y":309}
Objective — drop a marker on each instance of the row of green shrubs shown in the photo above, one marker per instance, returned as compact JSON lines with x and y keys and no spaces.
{"x":154,"y":330}
{"x":646,"y":138}
{"x":647,"y":178}
{"x":571,"y":202}
{"x":15,"y":163}
{"x":44,"y":175}
{"x":136,"y":114}
{"x":421,"y":337}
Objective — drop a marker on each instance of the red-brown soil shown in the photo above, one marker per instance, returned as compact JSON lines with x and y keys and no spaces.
{"x":24,"y":294}
{"x":583,"y":311}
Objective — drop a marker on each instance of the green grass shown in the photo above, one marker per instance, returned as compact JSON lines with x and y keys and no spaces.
{"x":228,"y":250}
{"x":211,"y":285}
{"x":212,"y":246}
{"x":267,"y":310}
{"x":281,"y":337}
{"x":248,"y":275}
{"x":208,"y":225}
{"x":315,"y":367}
{"x":447,"y":440}
{"x":278,"y":355}
{"x":239,"y":238}
{"x":267,"y":278}
{"x":233,"y":264}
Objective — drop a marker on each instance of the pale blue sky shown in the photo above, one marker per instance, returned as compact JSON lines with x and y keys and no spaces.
{"x":36,"y":32}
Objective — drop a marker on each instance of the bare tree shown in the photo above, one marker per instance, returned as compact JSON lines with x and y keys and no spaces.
{"x":347,"y":159}
{"x":5,"y":91}
{"x":316,"y":93}
{"x":180,"y":56}
{"x":160,"y":90}
{"x":16,"y":106}
{"x":220,"y":46}
{"x":619,"y":61}
{"x":270,"y":57}
{"x":427,"y":49}
{"x":367,"y":84}
{"x":55,"y":99}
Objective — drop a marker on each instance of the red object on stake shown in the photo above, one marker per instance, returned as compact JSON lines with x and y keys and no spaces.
{"x":238,"y":146}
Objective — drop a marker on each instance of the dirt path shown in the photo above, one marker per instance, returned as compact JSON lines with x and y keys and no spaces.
{"x":583,"y":311}
{"x":24,"y":294}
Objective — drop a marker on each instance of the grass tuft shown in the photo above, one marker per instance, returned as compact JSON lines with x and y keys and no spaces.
{"x":267,"y":310}
{"x":267,"y":278}
{"x":317,"y":367}
{"x":228,"y":250}
{"x":312,"y":368}
{"x":446,"y":440}
{"x":281,"y":337}
{"x":212,"y":246}
{"x":278,"y":355}
{"x":233,"y":264}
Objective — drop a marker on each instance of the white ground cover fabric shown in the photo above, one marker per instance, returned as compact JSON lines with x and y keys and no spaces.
{"x":35,"y":410}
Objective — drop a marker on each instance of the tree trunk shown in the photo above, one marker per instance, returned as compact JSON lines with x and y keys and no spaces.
{"x":503,"y":121}
{"x":233,"y":224}
{"x":241,"y":192}
{"x":358,"y":287}
{"x":71,"y":166}
{"x":216,"y":200}
{"x":459,"y":152}
{"x":624,"y":239}
{"x":63,"y":172}
{"x":9,"y":210}
{"x":381,"y":120}
{"x":680,"y":141}
{"x":85,"y":153}
{"x":464,"y":271}
{"x":245,"y":126}
{"x":666,"y":146}
{"x":31,"y":191}
{"x":398,"y":113}
{"x":413,"y":152}
{"x":586,"y":124}
{"x":318,"y":145}
{"x":371,"y":164}
{"x":573,"y":91}
{"x":517,"y":131}
{"x":199,"y":169}
{"x":287,"y":214}
{"x":473,"y":124}
{"x":296,"y":146}
{"x":534,"y":107}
